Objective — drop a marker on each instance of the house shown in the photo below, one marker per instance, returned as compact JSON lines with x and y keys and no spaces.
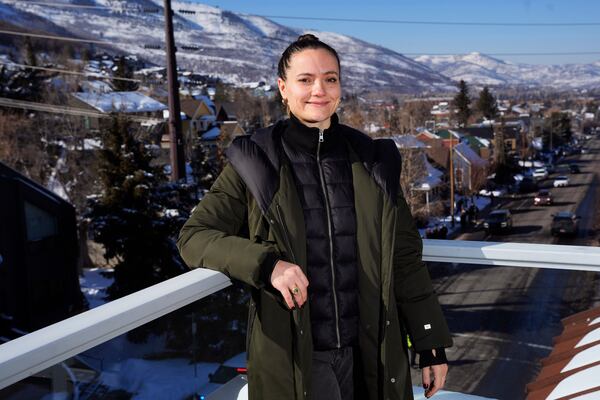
{"x":482,"y":147}
{"x":39,"y":281}
{"x":425,"y":135}
{"x":571,"y":369}
{"x":470,"y":170}
{"x":441,"y":114}
{"x":229,"y":131}
{"x":134,"y":104}
{"x":227,"y":111}
{"x":408,"y":142}
{"x":449,"y":137}
{"x":200,"y":114}
{"x":430,"y":184}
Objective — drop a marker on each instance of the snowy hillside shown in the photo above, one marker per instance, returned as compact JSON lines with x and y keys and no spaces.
{"x":238,"y":48}
{"x":480,"y":69}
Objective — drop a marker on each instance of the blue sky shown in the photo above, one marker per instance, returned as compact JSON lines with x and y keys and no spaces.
{"x":450,"y":39}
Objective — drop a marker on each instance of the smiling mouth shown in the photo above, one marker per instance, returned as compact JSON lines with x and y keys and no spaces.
{"x":318,"y":104}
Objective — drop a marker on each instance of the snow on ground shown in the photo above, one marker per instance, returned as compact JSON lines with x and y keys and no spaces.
{"x":480,"y":202}
{"x":54,"y":183}
{"x":93,"y":285}
{"x":131,"y":102}
{"x":122,"y":365}
{"x":168,"y":379}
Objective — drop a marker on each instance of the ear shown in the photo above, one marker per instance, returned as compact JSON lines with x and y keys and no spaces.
{"x":282,"y":88}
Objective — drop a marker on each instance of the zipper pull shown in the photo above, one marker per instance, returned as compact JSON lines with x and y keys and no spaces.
{"x":321,"y":139}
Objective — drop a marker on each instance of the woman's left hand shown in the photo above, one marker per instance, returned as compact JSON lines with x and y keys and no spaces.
{"x":439,"y":373}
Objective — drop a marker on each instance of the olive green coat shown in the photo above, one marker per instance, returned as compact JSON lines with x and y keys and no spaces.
{"x":395,"y":292}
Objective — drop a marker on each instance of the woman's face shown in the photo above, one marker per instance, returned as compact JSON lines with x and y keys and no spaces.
{"x":312,"y":87}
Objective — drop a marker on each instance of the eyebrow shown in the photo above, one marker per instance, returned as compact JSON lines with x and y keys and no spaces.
{"x":324,"y":73}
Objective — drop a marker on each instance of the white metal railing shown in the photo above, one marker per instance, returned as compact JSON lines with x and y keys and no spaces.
{"x":48,"y":346}
{"x":32,"y":353}
{"x":575,"y":258}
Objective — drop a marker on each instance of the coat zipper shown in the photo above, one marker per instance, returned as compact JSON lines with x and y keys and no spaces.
{"x":330,"y":235}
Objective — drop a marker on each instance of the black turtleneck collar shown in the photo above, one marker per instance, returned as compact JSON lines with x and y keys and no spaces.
{"x":304,"y":138}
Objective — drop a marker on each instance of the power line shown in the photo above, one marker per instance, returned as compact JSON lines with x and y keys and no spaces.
{"x":63,"y":38}
{"x":93,"y":41}
{"x":56,"y":109}
{"x":90,"y":7}
{"x":569,"y":53}
{"x":71,"y":72}
{"x":409,"y":22}
{"x":331,"y":19}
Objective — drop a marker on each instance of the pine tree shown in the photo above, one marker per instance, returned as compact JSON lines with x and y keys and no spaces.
{"x":486,"y":104}
{"x":203,"y":172}
{"x":123,"y":70}
{"x":128,"y":219}
{"x":559,"y":126}
{"x":3,"y":81}
{"x":499,"y":149}
{"x":30,"y":57}
{"x":461,"y":104}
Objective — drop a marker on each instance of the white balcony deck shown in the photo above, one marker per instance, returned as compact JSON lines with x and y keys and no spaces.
{"x":32,"y":353}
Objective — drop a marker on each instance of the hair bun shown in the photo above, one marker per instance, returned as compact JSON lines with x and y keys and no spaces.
{"x":309,"y":37}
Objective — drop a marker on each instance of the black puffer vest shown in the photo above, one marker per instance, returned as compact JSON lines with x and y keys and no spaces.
{"x":323,"y":177}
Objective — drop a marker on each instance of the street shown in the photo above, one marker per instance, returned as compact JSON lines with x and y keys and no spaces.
{"x":503,"y":318}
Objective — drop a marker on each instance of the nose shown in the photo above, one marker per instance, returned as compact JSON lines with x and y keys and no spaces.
{"x":318,"y":88}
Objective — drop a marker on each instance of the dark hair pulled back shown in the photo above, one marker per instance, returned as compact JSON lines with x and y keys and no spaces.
{"x":307,"y":41}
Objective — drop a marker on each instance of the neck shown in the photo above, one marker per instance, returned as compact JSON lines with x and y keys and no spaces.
{"x":321,"y":125}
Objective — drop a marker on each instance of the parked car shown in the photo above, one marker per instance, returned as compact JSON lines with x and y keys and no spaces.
{"x":561,"y":181}
{"x":526,"y":185}
{"x":496,"y":192}
{"x":574,"y":168}
{"x":498,"y":221}
{"x":540,"y":173}
{"x":224,"y":373}
{"x":543,"y":198}
{"x":565,"y":223}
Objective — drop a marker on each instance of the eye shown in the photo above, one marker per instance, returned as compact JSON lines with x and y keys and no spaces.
{"x":332,"y":80}
{"x":304,"y":80}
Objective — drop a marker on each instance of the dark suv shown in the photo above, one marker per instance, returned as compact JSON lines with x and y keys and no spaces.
{"x":543,"y":198}
{"x":498,"y":221}
{"x":565,"y":223}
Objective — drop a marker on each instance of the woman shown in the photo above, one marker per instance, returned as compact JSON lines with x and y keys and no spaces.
{"x":332,"y":256}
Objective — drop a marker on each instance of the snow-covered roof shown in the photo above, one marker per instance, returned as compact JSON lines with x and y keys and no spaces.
{"x":467,"y":152}
{"x":211,"y":134}
{"x":573,"y":367}
{"x":96,"y":87}
{"x":432,"y":179}
{"x":129,"y":102}
{"x":408,"y":142}
{"x":210,"y":104}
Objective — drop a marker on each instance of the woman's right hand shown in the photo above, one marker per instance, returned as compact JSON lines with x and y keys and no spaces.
{"x":285,"y":278}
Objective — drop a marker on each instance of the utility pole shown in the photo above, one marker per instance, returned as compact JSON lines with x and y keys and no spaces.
{"x":175,"y":136}
{"x":452,"y":181}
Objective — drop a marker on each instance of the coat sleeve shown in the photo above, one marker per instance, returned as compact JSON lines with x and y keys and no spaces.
{"x":209,"y":238}
{"x":417,"y":302}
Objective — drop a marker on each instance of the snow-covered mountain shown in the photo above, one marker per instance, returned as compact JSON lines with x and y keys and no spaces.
{"x":479,"y":69}
{"x":236,"y":47}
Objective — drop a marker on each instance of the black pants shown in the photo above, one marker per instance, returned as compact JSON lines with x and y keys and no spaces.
{"x":332,"y":374}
